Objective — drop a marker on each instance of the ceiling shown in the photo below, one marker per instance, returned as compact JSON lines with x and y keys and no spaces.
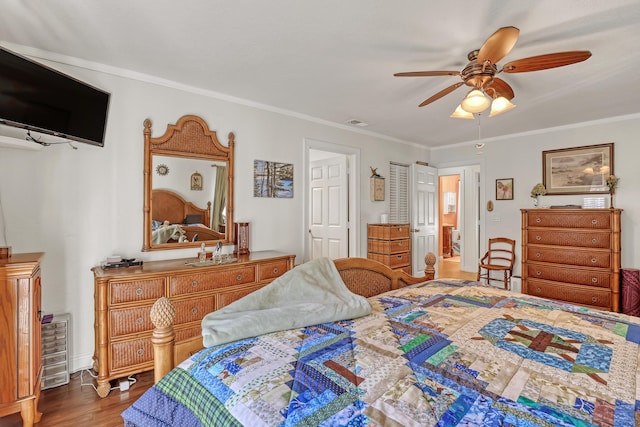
{"x":334,"y":60}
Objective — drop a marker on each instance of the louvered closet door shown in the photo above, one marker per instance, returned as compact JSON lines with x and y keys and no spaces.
{"x":398,"y":193}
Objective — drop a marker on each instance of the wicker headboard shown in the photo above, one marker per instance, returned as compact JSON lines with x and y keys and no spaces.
{"x":167,"y":205}
{"x":367,"y":277}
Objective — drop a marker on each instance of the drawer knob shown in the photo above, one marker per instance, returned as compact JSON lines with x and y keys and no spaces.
{"x":239,"y":277}
{"x":399,"y":256}
{"x":194,"y":283}
{"x":538,"y":254}
{"x":594,"y":299}
{"x":594,"y":221}
{"x":538,"y":290}
{"x":140,"y":352}
{"x":538,"y":238}
{"x":594,"y":240}
{"x":194,"y":310}
{"x":139,"y":291}
{"x":140,"y":320}
{"x":594,"y":260}
{"x":275,"y":270}
{"x":538,"y":273}
{"x":538,"y":220}
{"x":594,"y":280}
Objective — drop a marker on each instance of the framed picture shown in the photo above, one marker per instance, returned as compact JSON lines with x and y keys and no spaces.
{"x":272,"y":179}
{"x":578,"y":170}
{"x":196,"y":181}
{"x":504,"y":189}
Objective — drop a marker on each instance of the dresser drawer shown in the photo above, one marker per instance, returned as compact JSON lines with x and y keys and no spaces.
{"x":200,"y":282}
{"x":586,"y":239}
{"x":136,"y":290}
{"x":581,"y":219}
{"x":388,"y":231}
{"x":573,"y":294}
{"x":389,"y":247}
{"x":130,"y":320}
{"x":583,"y":258}
{"x":226,"y":297}
{"x":183,"y":333}
{"x":193,"y":309}
{"x":129,"y":353}
{"x":595,"y":278}
{"x":393,"y":261}
{"x":271,"y":270}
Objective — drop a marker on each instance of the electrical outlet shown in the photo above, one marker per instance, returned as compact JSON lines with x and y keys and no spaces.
{"x":124,"y":385}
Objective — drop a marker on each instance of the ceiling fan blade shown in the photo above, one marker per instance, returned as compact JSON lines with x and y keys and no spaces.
{"x":500,"y":88}
{"x":498,"y":45}
{"x":442,"y":93}
{"x":427,"y":73}
{"x":544,"y":62}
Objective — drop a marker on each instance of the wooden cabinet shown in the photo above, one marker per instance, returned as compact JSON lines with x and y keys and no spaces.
{"x":123,"y":300}
{"x":20,"y":336}
{"x":447,"y":240}
{"x":390,"y":244}
{"x":572,"y":255}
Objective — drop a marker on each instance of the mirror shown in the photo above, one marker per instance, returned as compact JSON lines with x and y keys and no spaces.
{"x":188,"y":186}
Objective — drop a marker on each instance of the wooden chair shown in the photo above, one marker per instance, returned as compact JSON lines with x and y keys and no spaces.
{"x":500,"y":256}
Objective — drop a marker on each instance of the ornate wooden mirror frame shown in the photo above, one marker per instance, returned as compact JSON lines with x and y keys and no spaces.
{"x":189,"y":138}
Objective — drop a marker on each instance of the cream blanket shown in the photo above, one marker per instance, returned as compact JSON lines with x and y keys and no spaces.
{"x":310,"y":294}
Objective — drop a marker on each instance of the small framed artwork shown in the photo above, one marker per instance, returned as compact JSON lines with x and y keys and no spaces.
{"x":272,"y":179}
{"x":504,"y":189}
{"x":196,"y":181}
{"x":376,"y":189}
{"x":577,"y":170}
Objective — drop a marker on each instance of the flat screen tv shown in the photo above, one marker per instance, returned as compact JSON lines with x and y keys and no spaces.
{"x":36,"y":97}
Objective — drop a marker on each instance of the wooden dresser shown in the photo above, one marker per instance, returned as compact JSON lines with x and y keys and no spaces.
{"x":572,"y":255}
{"x":123,"y":300}
{"x":20,"y":336}
{"x":390,"y":244}
{"x":447,"y":240}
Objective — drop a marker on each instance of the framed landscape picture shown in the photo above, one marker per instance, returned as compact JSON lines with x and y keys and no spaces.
{"x":578,"y":170}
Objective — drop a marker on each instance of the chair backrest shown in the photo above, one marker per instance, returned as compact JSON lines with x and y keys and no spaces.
{"x":501,"y":251}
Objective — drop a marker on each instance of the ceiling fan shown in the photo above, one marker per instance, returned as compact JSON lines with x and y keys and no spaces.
{"x":480,"y":74}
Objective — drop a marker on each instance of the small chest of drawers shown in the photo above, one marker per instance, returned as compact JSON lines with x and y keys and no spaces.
{"x":390,"y":244}
{"x":123,"y":299}
{"x":572,"y":255}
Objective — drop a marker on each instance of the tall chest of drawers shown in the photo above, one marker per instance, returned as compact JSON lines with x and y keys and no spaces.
{"x":572,"y":255}
{"x":123,"y":299}
{"x":390,"y":244}
{"x":21,"y":336}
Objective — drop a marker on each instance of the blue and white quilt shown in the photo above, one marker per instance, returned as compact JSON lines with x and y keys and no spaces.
{"x":444,"y":353}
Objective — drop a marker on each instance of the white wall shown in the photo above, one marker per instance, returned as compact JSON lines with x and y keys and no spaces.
{"x":520,"y":157}
{"x":79,"y":206}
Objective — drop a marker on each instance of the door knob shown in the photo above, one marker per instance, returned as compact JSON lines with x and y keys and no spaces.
{"x":415,"y":230}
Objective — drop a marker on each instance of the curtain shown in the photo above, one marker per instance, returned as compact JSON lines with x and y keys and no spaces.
{"x":219,"y":198}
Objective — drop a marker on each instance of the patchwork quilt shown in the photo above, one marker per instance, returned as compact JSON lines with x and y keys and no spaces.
{"x":443,"y":353}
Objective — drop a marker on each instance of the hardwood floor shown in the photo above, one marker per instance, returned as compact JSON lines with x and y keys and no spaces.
{"x":450,"y":269}
{"x":79,"y":406}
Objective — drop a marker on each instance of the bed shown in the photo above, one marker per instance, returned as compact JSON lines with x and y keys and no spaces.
{"x":437,"y":352}
{"x":182,"y":216}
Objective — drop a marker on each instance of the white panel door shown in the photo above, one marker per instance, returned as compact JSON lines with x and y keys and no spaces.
{"x":328,"y":222}
{"x":424,"y":215}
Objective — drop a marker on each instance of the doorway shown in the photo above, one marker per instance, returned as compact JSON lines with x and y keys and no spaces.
{"x":342,"y":206}
{"x":458,"y":193}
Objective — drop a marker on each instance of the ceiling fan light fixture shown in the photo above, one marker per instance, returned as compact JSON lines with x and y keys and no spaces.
{"x":500,"y":105}
{"x":475,"y":102}
{"x":461,"y":114}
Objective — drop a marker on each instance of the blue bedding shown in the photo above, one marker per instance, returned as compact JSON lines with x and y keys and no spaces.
{"x":445,"y":353}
